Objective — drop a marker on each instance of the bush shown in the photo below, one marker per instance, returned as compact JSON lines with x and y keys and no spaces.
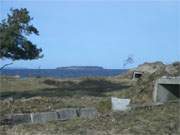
{"x":176,"y":64}
{"x":50,"y":82}
{"x":60,"y":84}
{"x":104,"y":105}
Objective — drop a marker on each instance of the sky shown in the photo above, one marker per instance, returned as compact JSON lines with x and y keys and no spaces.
{"x":101,"y":32}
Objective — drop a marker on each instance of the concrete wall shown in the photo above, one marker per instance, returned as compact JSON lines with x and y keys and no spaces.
{"x":43,"y":117}
{"x":166,"y":89}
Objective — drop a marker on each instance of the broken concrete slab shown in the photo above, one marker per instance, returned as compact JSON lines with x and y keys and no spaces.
{"x":67,"y":113}
{"x":166,"y":89}
{"x":43,"y":117}
{"x":87,"y":112}
{"x":120,"y":104}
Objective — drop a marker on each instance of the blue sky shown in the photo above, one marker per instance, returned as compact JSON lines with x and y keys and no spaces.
{"x":101,"y":33}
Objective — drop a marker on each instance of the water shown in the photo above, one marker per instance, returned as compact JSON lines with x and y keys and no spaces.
{"x":59,"y":73}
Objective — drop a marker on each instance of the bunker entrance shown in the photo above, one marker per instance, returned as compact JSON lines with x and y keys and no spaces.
{"x":167,"y":90}
{"x":174,"y":89}
{"x":137,"y":75}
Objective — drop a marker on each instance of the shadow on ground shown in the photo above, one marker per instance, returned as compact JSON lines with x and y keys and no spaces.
{"x":88,"y":87}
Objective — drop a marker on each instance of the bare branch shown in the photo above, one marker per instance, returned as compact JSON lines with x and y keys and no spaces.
{"x":129,"y":60}
{"x":1,"y":68}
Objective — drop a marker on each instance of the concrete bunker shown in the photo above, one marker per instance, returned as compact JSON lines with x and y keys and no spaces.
{"x":166,"y":89}
{"x":136,"y":75}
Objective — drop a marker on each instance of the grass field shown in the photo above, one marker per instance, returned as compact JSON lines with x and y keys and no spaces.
{"x":33,"y":95}
{"x":47,"y":94}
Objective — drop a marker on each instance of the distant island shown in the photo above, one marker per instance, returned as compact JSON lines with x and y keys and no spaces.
{"x":81,"y":68}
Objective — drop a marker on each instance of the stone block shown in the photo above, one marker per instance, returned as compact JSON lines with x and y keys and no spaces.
{"x":87,"y":112}
{"x":43,"y":117}
{"x":67,"y":113}
{"x":20,"y":118}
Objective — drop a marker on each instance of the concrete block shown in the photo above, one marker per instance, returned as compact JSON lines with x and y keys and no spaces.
{"x":87,"y":112}
{"x":67,"y":113}
{"x":120,"y":104}
{"x":43,"y":117}
{"x":20,"y":118}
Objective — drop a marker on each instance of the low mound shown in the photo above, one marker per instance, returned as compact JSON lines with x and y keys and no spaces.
{"x":149,"y":67}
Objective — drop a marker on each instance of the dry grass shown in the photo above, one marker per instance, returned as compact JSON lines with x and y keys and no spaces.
{"x":32,"y":95}
{"x":162,"y":120}
{"x":15,"y":84}
{"x":38,"y":94}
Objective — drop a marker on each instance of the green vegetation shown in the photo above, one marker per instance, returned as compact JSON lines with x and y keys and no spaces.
{"x":104,"y":105}
{"x":13,"y":36}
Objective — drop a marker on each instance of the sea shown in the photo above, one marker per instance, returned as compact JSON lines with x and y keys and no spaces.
{"x":62,"y":73}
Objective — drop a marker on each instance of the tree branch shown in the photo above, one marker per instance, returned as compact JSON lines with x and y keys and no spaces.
{"x":1,"y":68}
